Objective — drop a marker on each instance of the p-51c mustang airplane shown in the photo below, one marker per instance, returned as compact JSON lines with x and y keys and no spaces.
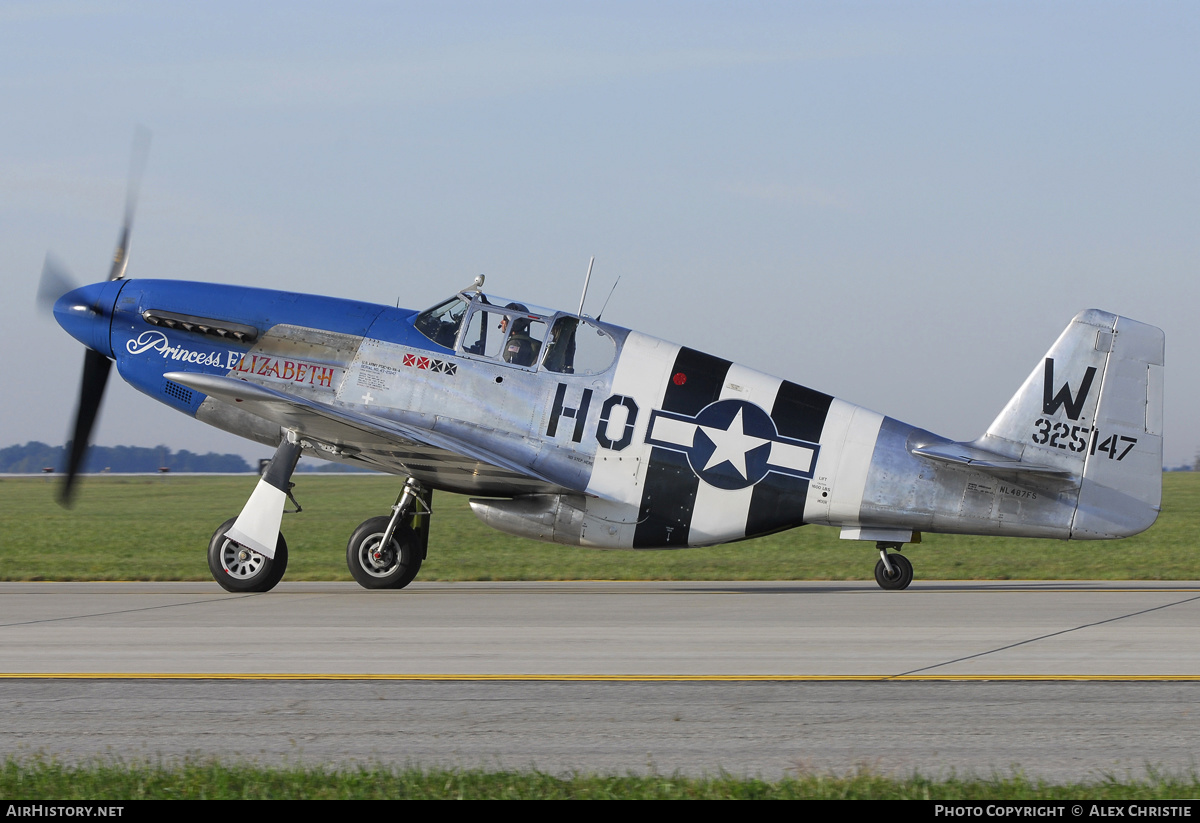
{"x":570,"y":430}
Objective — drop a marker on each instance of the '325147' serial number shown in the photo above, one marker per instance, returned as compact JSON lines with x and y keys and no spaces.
{"x":1059,"y":435}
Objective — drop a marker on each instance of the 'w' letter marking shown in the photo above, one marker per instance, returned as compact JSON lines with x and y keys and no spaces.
{"x":1074,"y":405}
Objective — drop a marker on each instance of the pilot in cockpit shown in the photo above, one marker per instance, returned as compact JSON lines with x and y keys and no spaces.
{"x":520,"y":349}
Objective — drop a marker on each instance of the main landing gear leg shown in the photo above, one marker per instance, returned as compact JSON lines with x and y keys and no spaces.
{"x":386,"y":552}
{"x":893,"y":571}
{"x":247,"y":553}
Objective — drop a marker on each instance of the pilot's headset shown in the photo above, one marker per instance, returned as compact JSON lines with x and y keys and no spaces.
{"x":520,"y":324}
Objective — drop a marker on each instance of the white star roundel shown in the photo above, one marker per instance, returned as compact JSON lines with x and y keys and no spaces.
{"x":731,"y":444}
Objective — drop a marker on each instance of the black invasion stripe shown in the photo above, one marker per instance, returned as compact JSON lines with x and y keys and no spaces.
{"x":703,"y":376}
{"x":668,"y":499}
{"x":777,"y":501}
{"x":799,"y":412}
{"x":669,"y":495}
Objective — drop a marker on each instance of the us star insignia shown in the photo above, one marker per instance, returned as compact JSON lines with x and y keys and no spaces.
{"x":732,"y":444}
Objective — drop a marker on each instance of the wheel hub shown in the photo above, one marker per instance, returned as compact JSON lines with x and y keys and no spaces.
{"x":379,"y":560}
{"x":382,"y":559}
{"x":239,"y":561}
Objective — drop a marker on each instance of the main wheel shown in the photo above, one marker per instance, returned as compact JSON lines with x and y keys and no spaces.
{"x":901,"y":576}
{"x":239,"y":569}
{"x":375,"y":566}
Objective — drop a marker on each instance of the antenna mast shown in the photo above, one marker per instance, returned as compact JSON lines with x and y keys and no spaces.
{"x":585,"y":285}
{"x":610,"y":294}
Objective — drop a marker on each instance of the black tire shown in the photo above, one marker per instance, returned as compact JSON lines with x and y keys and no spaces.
{"x":394,"y":568}
{"x":239,"y":569}
{"x":900,"y":578}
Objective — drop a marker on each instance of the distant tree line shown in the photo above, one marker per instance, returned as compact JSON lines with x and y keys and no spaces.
{"x":36,"y":457}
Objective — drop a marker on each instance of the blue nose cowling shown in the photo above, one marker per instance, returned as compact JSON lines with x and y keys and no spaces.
{"x":86,"y":314}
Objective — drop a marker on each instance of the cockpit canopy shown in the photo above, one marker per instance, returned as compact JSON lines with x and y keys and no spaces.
{"x":479,"y":326}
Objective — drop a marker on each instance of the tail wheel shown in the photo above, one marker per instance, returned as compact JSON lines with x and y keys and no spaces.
{"x":375,"y":566}
{"x":237,"y":568}
{"x":899,"y":578}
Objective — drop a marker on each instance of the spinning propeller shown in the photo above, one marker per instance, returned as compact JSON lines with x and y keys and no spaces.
{"x":77,"y":309}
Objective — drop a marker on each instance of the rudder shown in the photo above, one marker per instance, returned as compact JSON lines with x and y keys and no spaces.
{"x":1122,"y":477}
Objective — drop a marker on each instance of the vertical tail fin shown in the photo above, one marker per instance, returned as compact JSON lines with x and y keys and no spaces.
{"x":1093,"y":406}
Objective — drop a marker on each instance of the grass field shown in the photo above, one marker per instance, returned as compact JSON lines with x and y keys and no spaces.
{"x":157,"y":528}
{"x":40,"y":779}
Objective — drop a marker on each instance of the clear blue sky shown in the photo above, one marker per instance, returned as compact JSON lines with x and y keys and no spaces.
{"x":901,"y":204}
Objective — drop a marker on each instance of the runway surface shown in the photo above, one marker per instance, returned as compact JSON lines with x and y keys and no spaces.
{"x":1063,"y":680}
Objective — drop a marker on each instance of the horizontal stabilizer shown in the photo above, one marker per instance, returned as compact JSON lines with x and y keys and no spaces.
{"x":963,"y":454}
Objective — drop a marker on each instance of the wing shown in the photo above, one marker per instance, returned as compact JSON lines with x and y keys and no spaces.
{"x":454,"y":461}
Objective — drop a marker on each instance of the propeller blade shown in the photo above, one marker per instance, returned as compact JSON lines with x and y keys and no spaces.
{"x":121,"y":255}
{"x":53,"y":284}
{"x":137,"y":165}
{"x":91,"y":390}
